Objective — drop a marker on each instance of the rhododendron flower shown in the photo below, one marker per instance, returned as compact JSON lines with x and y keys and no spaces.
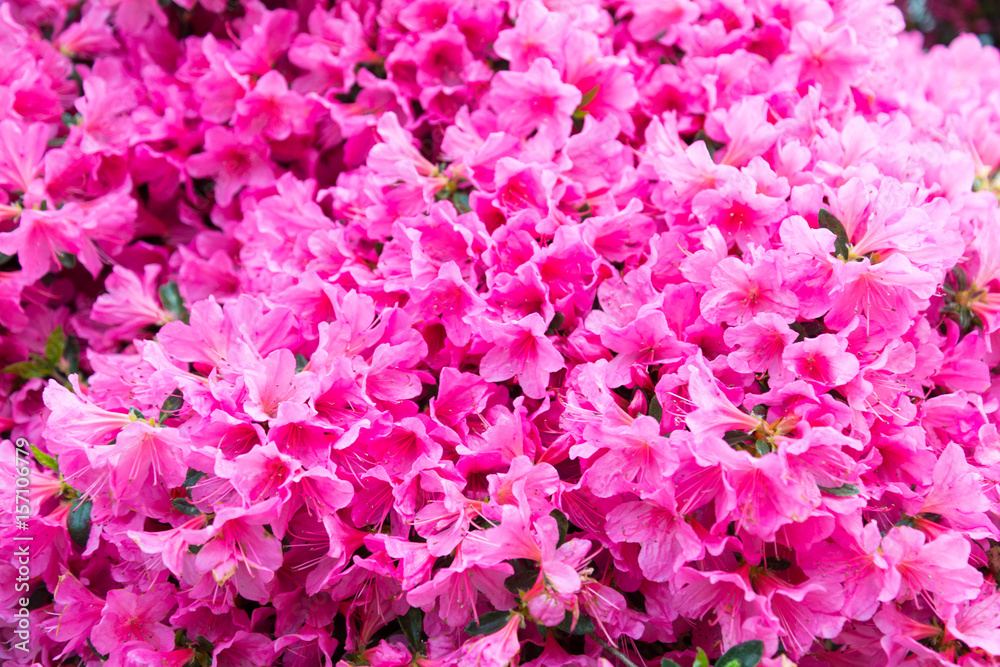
{"x":426,"y":333}
{"x":128,"y":617}
{"x":522,"y":351}
{"x":536,"y":99}
{"x":234,"y":163}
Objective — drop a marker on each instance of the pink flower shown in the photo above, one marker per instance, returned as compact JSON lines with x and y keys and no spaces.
{"x":270,"y":109}
{"x":762,"y":342}
{"x":977,"y":623}
{"x":238,"y":544}
{"x":823,"y":360}
{"x":21,"y":153}
{"x":741,"y":291}
{"x":522,"y":351}
{"x":131,"y":303}
{"x":939,"y":567}
{"x":233,"y":162}
{"x":536,"y":99}
{"x":648,"y":341}
{"x":667,"y":541}
{"x":129,"y":617}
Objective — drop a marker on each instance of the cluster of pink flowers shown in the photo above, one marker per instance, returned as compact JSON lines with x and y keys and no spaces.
{"x":470,"y":332}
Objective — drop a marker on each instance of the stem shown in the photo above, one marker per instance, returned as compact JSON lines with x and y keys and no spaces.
{"x":615,"y":652}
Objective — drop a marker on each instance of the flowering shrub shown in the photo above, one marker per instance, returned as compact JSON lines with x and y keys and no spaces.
{"x":470,"y":332}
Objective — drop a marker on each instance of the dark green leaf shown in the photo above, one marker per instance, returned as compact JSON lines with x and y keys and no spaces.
{"x":70,"y":119}
{"x":965,"y":319}
{"x":192,"y":477}
{"x":763,"y":447}
{"x":589,"y":96}
{"x":55,"y":345}
{"x":195,"y":548}
{"x":135,"y":413}
{"x":412,"y":623}
{"x":556,"y":324}
{"x":906,"y":521}
{"x":667,"y":662}
{"x":735,"y":437}
{"x":72,"y":354}
{"x":655,"y":410}
{"x":712,"y":145}
{"x":829,"y":221}
{"x":747,"y":654}
{"x":300,"y":362}
{"x":490,"y":622}
{"x":6,"y":258}
{"x":777,"y":564}
{"x":584,"y":626}
{"x":99,"y":655}
{"x":843,"y":490}
{"x":461,"y":202}
{"x":185,"y":507}
{"x":806,"y":329}
{"x":27,"y":370}
{"x":961,"y":280}
{"x":170,"y":297}
{"x":68,"y":260}
{"x":171,"y":406}
{"x":45,"y":459}
{"x":78,"y":521}
{"x":375,"y":67}
{"x":521,"y":581}
{"x":563,"y":524}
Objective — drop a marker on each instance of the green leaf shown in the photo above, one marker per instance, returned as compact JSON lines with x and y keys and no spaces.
{"x":192,"y":477}
{"x":961,"y":280}
{"x":300,"y":362}
{"x":584,"y":626}
{"x":521,"y":581}
{"x":589,"y":96}
{"x":667,"y":662}
{"x":170,"y":297}
{"x":99,"y":655}
{"x":701,"y":660}
{"x":735,"y":437}
{"x":829,"y":221}
{"x":55,"y":345}
{"x":27,"y":370}
{"x":563,"y":524}
{"x":135,"y":413}
{"x":843,"y":490}
{"x":45,"y":459}
{"x":654,"y":409}
{"x":777,"y":564}
{"x":72,"y":354}
{"x":412,"y":623}
{"x":490,"y":622}
{"x":556,"y":324}
{"x":763,"y":447}
{"x":747,"y":654}
{"x":68,"y":260}
{"x":171,"y":406}
{"x":78,"y":521}
{"x":185,"y":507}
{"x":461,"y":202}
